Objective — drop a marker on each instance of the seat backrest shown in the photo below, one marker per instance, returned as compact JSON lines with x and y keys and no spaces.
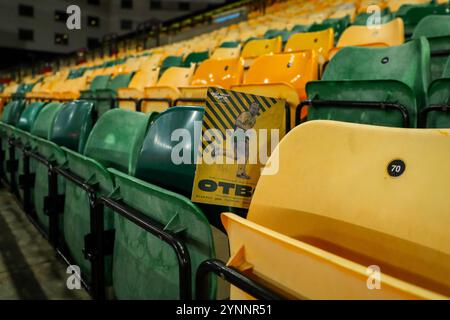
{"x":155,"y":163}
{"x":259,"y":47}
{"x":373,"y":194}
{"x":436,"y":28}
{"x":12,"y":112}
{"x":144,"y":78}
{"x":150,"y":62}
{"x":116,"y":138}
{"x":29,"y":115}
{"x":230,"y":44}
{"x":120,"y":81}
{"x":171,"y":61}
{"x":388,"y":34}
{"x":363,"y":18}
{"x":300,"y":28}
{"x":43,"y":124}
{"x":273,"y":33}
{"x":413,"y":14}
{"x":337,"y":24}
{"x":295,"y":69}
{"x":72,"y":125}
{"x":195,"y":57}
{"x":226,"y":53}
{"x":176,"y":77}
{"x":320,"y":41}
{"x":408,"y":63}
{"x":224,"y":73}
{"x":100,"y":82}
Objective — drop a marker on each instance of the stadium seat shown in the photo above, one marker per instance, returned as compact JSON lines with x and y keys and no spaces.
{"x":286,"y":79}
{"x":141,"y":79}
{"x":12,"y":111}
{"x":67,"y":125}
{"x":151,"y":62}
{"x":439,"y":101}
{"x":320,"y":41}
{"x":436,"y":28}
{"x":399,"y":6}
{"x":105,"y":97}
{"x":72,"y":88}
{"x":273,"y":33}
{"x":170,"y":61}
{"x":195,"y":58}
{"x":388,"y":34}
{"x":397,"y":75}
{"x":349,"y":205}
{"x":300,"y":28}
{"x":230,"y":44}
{"x":114,"y":142}
{"x":412,"y":14}
{"x":98,"y":83}
{"x":259,"y":47}
{"x":160,"y":97}
{"x":338,"y":26}
{"x":213,"y":73}
{"x":362,"y":19}
{"x":20,"y":133}
{"x":153,"y":274}
{"x":226,"y":53}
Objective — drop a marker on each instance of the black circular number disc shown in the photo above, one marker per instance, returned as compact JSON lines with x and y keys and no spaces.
{"x":396,"y":168}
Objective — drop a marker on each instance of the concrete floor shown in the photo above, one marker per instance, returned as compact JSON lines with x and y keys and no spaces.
{"x":29,"y":267}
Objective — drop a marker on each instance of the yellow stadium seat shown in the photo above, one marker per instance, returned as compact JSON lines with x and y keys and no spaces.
{"x":320,"y":41}
{"x":213,"y":73}
{"x":282,"y":76}
{"x":388,"y":34}
{"x":142,"y":78}
{"x":226,"y":53}
{"x":259,"y":47}
{"x":72,"y":88}
{"x":162,"y":95}
{"x":150,"y":62}
{"x":353,"y":196}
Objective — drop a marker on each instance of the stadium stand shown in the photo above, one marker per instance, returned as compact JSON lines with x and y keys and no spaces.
{"x":86,"y":149}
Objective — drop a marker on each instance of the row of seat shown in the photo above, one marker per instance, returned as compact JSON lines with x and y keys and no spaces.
{"x":120,"y":156}
{"x":330,"y":236}
{"x":340,"y":212}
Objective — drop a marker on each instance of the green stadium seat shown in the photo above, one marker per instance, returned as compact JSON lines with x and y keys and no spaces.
{"x":76,"y":73}
{"x":105,"y":96}
{"x":273,"y":33}
{"x":10,"y":118}
{"x":384,"y":75}
{"x":153,"y":273}
{"x":362,"y":18}
{"x":436,"y":28}
{"x":114,"y":142}
{"x":70,"y":128}
{"x":98,"y":83}
{"x":439,"y":100}
{"x":338,"y":25}
{"x":170,"y":61}
{"x":29,"y":115}
{"x":413,"y":14}
{"x":230,"y":44}
{"x":21,"y":133}
{"x":195,"y":58}
{"x":12,"y":111}
{"x":300,"y":28}
{"x":40,"y":133}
